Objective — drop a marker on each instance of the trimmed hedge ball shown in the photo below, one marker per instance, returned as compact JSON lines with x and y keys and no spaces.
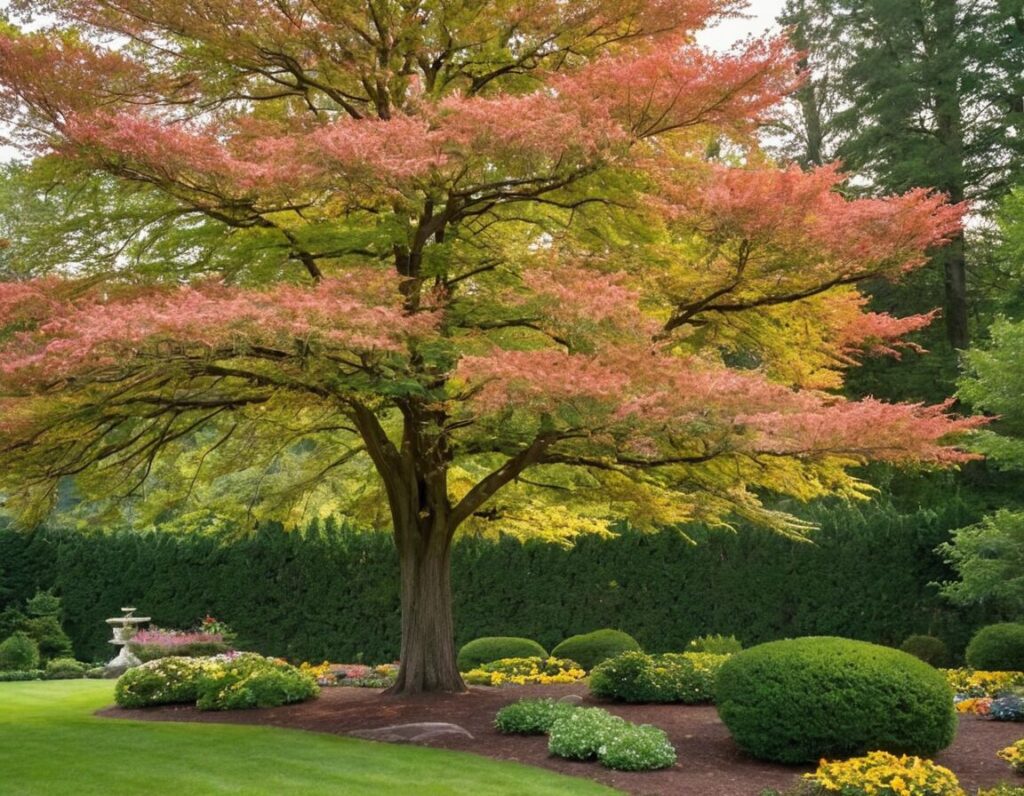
{"x":929,"y":649}
{"x":589,"y":649}
{"x":804,"y":699}
{"x":495,"y":648}
{"x":997,"y":648}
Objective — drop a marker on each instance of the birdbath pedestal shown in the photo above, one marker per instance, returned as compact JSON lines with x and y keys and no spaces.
{"x":124,"y":628}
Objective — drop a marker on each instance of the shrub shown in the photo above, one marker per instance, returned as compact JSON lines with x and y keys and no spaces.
{"x":580,"y":734}
{"x":636,"y":677}
{"x":531,"y":716}
{"x":997,"y":648}
{"x":523,"y":671}
{"x":715,"y":645}
{"x":1014,"y":755}
{"x":929,"y":649}
{"x":65,"y":669}
{"x":19,"y":651}
{"x":252,"y":681}
{"x":637,"y":748}
{"x":883,"y":774}
{"x":589,"y":649}
{"x":494,"y":648}
{"x":805,"y":699}
{"x":16,"y":675}
{"x":162,"y":682}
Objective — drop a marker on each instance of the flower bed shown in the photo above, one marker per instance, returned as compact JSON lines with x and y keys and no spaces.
{"x":525,"y":671}
{"x":357,"y":675}
{"x":884,"y":774}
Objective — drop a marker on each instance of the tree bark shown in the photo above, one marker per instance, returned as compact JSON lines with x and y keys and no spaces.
{"x":428,"y":662}
{"x":955,"y":277}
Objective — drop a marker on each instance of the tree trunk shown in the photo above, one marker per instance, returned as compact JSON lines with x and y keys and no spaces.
{"x":428,"y":630}
{"x":955,"y":273}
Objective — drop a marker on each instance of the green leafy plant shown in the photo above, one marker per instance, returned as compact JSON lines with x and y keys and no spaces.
{"x":637,"y":748}
{"x":589,"y":649}
{"x":688,"y":677}
{"x":803,"y":699}
{"x":531,"y":716}
{"x":715,"y":644}
{"x":16,"y":675}
{"x":997,"y":647}
{"x":929,"y":649}
{"x":65,"y":669}
{"x":524,"y":671}
{"x":19,"y":651}
{"x":493,"y":648}
{"x":252,"y":681}
{"x":162,"y":682}
{"x":580,"y":734}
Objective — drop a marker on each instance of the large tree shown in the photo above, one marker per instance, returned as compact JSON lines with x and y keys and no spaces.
{"x":497,"y":270}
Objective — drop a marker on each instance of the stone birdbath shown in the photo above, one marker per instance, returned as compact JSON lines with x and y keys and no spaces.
{"x":124,"y":628}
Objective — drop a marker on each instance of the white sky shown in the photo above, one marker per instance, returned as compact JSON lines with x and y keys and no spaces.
{"x":759,"y":18}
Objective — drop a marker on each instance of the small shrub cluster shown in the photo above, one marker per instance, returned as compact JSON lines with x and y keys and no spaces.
{"x":19,"y":652}
{"x":65,"y":669}
{"x":495,"y":648}
{"x":525,"y":671}
{"x":577,"y":733}
{"x":802,"y":700}
{"x":688,"y":677}
{"x":930,"y":649}
{"x":224,"y":682}
{"x":15,"y":675}
{"x":884,"y":774}
{"x":590,"y":649}
{"x":715,"y":645}
{"x":1014,"y":755}
{"x":997,"y":647}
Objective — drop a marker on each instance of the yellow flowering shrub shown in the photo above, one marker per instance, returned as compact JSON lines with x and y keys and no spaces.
{"x":525,"y":671}
{"x":1014,"y":755}
{"x":320,"y":672}
{"x":884,"y":774}
{"x":973,"y":683}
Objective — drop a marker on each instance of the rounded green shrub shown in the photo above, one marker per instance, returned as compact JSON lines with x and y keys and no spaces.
{"x":580,"y":734}
{"x":20,"y":652}
{"x":997,"y":648}
{"x":65,"y":669}
{"x":688,"y":677}
{"x":637,"y":748}
{"x":803,"y":699}
{"x":531,"y":716}
{"x":589,"y":649}
{"x":929,"y":649}
{"x":252,"y":681}
{"x":493,"y":648}
{"x":715,"y":645}
{"x":165,"y":681}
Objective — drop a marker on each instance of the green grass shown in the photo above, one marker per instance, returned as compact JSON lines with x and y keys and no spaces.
{"x":50,"y":743}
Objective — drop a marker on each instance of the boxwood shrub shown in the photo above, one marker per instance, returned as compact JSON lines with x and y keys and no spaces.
{"x":997,"y":648}
{"x":688,"y":677}
{"x":493,"y":648}
{"x":929,"y":649}
{"x":803,"y":699}
{"x":531,"y":716}
{"x":589,"y":649}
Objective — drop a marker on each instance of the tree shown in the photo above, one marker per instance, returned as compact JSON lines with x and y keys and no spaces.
{"x":915,"y":94}
{"x":498,"y":272}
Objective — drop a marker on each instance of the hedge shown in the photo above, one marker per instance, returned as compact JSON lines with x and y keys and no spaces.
{"x":329,"y":592}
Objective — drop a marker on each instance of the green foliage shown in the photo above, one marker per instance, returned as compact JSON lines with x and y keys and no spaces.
{"x":636,"y":677}
{"x":43,"y":603}
{"x":166,"y":681}
{"x":494,"y":648}
{"x":50,"y":636}
{"x":637,"y":748}
{"x":589,"y":649}
{"x":715,"y":644}
{"x":997,"y":648}
{"x":19,"y":651}
{"x":252,"y":681}
{"x":989,"y":558}
{"x":579,"y":735}
{"x":65,"y":669}
{"x":929,"y":649}
{"x":803,"y":699}
{"x":16,"y":675}
{"x":1002,"y":789}
{"x":531,"y":716}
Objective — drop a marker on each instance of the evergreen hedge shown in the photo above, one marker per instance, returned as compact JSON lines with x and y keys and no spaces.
{"x":329,"y":592}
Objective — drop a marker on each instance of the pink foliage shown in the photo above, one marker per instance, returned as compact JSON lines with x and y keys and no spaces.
{"x":174,"y":638}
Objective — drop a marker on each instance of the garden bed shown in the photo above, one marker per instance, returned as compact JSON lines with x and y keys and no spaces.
{"x":709,"y":762}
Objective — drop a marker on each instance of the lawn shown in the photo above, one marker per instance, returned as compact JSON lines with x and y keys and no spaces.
{"x":50,"y":743}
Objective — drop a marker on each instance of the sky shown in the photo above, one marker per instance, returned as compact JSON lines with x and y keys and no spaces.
{"x":760,"y":17}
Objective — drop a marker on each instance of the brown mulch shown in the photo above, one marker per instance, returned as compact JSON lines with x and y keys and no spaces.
{"x":709,"y":764}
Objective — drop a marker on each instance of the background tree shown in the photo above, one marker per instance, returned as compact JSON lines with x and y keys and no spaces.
{"x":497,"y":272}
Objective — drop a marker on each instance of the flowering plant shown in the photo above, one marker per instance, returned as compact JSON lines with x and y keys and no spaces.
{"x":523,"y":671}
{"x":884,"y":774}
{"x":322,"y":673}
{"x":979,"y":706}
{"x":971,"y":683}
{"x":1014,"y":755}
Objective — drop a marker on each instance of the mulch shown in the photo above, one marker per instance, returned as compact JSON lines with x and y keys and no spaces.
{"x":709,"y":764}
